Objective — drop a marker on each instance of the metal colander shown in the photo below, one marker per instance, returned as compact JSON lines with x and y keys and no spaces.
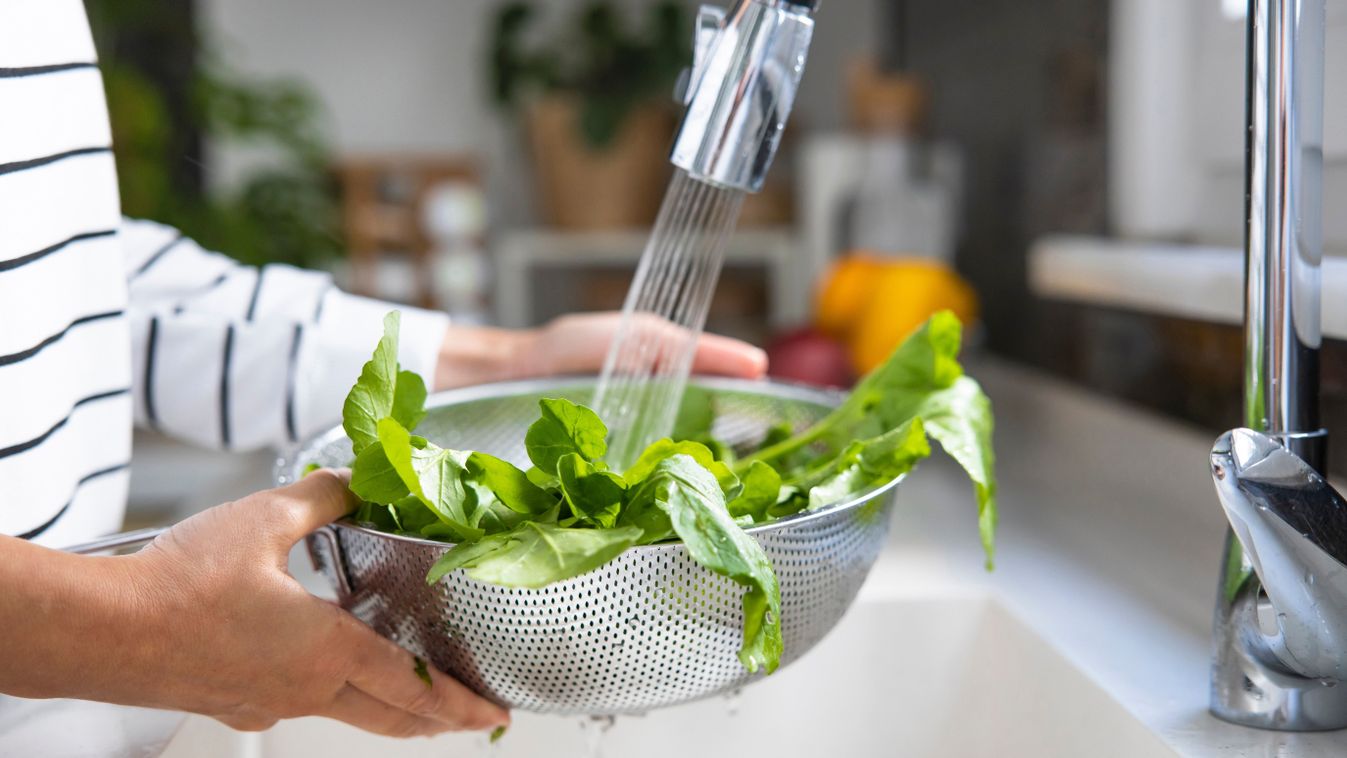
{"x":651,"y":628}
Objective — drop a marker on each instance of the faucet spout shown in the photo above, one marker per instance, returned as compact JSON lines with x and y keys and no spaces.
{"x":1292,"y":526}
{"x":1281,"y":616}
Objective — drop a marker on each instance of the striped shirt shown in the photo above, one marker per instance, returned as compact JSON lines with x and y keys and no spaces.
{"x":106,"y":321}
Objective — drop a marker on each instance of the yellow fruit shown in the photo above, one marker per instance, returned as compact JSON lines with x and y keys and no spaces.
{"x":903,"y":295}
{"x":847,"y":287}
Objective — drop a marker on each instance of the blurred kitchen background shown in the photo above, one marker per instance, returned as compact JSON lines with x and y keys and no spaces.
{"x":1066,"y":174}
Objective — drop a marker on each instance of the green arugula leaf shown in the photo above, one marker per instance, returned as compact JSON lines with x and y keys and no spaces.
{"x":543,"y":480}
{"x":375,"y":516}
{"x":564,"y":427}
{"x":437,"y":477}
{"x":690,"y":498}
{"x":791,"y":500}
{"x":777,"y":434}
{"x":595,"y":496}
{"x":409,"y":399}
{"x":466,"y":554}
{"x":422,"y":672}
{"x":382,"y":391}
{"x":374,"y":479}
{"x":412,"y":515}
{"x":867,"y":463}
{"x":661,"y":449}
{"x":870,"y":463}
{"x":960,"y":419}
{"x":535,"y":555}
{"x":493,"y":516}
{"x":922,"y":379}
{"x":761,"y":490}
{"x":509,"y":485}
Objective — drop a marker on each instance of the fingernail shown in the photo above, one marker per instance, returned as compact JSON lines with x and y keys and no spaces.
{"x":760,"y":360}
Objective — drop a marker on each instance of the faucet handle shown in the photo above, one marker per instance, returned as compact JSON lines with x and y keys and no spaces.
{"x":1292,"y":528}
{"x":1252,"y":469}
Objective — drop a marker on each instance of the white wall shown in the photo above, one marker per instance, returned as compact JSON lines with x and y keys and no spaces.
{"x":409,"y":74}
{"x":1177,"y":119}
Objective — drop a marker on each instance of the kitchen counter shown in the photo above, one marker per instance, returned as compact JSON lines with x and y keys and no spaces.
{"x":1108,"y":551}
{"x":1201,"y":282}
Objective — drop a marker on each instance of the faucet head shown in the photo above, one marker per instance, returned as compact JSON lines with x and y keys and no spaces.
{"x":747,"y":64}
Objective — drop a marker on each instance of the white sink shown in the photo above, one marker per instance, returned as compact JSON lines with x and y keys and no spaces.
{"x":921,"y":676}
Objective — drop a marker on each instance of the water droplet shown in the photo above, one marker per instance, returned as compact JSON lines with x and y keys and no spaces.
{"x":485,"y":747}
{"x":733,"y":698}
{"x":594,"y":728}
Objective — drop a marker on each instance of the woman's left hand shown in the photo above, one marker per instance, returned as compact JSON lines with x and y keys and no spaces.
{"x":572,"y":344}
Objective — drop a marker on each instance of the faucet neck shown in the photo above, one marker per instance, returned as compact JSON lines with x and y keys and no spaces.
{"x":1278,"y":655}
{"x":1283,"y":226}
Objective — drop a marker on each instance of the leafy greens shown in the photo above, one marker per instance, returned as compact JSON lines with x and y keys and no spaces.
{"x":570,"y":514}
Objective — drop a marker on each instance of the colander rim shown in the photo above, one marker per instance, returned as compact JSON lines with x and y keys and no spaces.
{"x":289,"y":458}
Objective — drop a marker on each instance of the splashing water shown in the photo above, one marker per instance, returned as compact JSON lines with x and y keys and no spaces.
{"x":651,"y":355}
{"x":733,"y":699}
{"x":486,"y":747}
{"x":594,"y":728}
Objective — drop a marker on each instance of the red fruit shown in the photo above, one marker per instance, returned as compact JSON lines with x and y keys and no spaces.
{"x":809,"y":356}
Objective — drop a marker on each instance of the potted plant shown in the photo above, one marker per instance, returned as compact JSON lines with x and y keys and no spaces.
{"x":597,"y":109}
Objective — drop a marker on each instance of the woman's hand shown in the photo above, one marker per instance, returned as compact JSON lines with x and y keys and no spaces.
{"x":572,"y":344}
{"x":206,"y":619}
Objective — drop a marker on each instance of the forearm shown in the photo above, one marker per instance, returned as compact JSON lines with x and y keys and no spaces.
{"x":67,"y":621}
{"x":480,"y":354}
{"x":236,"y":357}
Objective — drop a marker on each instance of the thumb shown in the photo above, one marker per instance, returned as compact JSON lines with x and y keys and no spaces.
{"x":321,"y":497}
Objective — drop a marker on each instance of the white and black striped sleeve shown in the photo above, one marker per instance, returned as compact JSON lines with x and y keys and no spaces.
{"x":236,"y":357}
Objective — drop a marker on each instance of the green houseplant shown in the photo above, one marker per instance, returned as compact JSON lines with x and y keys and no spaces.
{"x":595,"y":101}
{"x":166,"y":96}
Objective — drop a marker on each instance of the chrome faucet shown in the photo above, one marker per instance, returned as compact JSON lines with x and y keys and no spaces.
{"x":746,"y":67}
{"x":1281,"y":614}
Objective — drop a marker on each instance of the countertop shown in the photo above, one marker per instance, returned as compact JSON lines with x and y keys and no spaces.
{"x":1202,"y":282}
{"x":1109,"y":547}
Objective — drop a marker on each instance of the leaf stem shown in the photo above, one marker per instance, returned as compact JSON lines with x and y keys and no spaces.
{"x":786,"y":446}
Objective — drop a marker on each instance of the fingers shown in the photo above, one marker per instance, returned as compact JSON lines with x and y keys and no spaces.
{"x":373,"y":715}
{"x":714,"y":354}
{"x":388,"y":673}
{"x":728,"y":357}
{"x":321,"y":497}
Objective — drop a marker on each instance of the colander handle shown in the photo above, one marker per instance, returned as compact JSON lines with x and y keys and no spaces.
{"x":117,"y":541}
{"x":328,"y":559}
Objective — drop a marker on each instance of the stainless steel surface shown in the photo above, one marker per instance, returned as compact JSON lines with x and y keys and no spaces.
{"x":1284,"y":248}
{"x":651,"y":628}
{"x":747,"y":66}
{"x":1286,"y":629}
{"x":1284,"y":242}
{"x":116,"y":541}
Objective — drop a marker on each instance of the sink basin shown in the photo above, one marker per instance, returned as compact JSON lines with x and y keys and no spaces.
{"x":914,"y":676}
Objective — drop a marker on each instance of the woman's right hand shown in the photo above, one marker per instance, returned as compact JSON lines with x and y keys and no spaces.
{"x":207,"y":619}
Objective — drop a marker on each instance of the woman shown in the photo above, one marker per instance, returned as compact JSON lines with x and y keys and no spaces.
{"x":105,"y":321}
